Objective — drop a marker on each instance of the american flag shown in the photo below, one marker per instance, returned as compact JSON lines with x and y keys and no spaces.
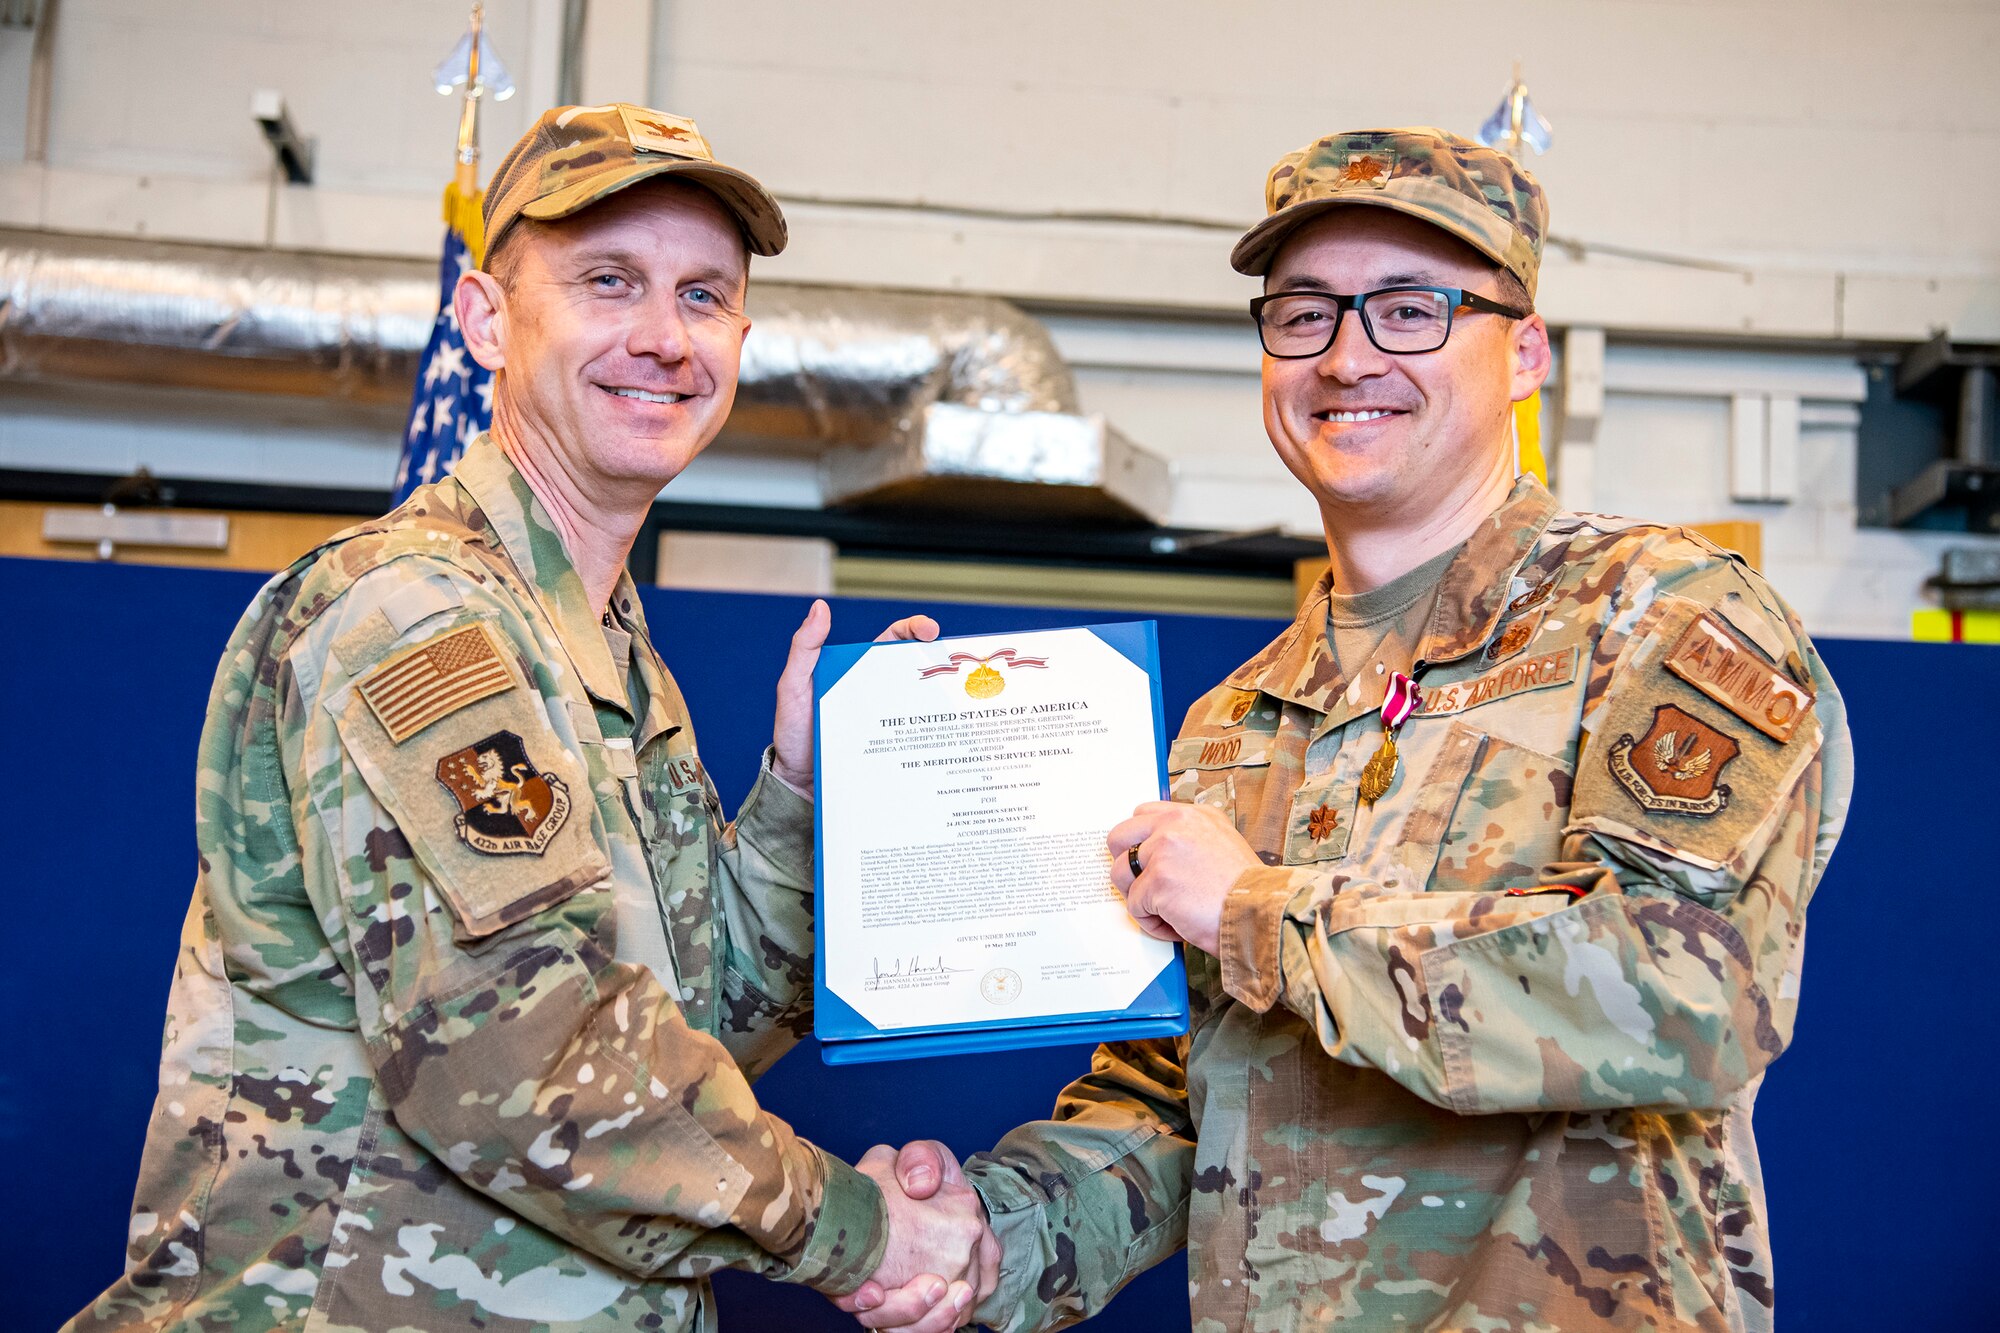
{"x":453,"y":398}
{"x":435,"y":680}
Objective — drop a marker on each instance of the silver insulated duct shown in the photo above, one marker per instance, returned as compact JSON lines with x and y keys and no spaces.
{"x":937,"y":402}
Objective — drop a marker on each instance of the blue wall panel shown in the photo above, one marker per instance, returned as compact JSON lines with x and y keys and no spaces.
{"x":1882,"y":1201}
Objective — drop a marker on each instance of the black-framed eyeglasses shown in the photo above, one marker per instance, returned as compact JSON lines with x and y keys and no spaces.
{"x":1398,"y":320}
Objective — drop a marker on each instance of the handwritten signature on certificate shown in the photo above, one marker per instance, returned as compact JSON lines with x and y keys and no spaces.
{"x":916,"y":967}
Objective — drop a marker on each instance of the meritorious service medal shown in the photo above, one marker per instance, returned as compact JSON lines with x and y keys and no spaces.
{"x":1403,"y":699}
{"x":984,"y":682}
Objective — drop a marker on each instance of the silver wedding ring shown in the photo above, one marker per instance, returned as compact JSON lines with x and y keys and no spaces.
{"x":1132,"y":859}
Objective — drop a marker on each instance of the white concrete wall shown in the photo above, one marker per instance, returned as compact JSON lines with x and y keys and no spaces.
{"x":1823,"y":171}
{"x":1797,"y":139}
{"x":1835,"y":156}
{"x":1751,"y":130}
{"x":150,"y":130}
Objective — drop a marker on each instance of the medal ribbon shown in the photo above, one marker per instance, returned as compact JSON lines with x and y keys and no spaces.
{"x":1404,"y":698}
{"x":957,"y":660}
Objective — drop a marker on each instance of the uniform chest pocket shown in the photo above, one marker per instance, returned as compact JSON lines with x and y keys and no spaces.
{"x":1490,"y":815}
{"x":1321,"y":819}
{"x":1227,"y":771}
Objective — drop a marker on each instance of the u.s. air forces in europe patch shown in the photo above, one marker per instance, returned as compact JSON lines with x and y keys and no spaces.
{"x":1676,"y":766}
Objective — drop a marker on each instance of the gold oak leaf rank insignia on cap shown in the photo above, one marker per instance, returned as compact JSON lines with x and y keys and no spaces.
{"x":433,"y":680}
{"x":505,"y":804}
{"x":1675,"y":766}
{"x":1367,"y":169}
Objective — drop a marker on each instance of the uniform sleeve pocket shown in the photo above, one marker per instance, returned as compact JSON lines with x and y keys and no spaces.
{"x":494,"y":807}
{"x":1695,"y":751}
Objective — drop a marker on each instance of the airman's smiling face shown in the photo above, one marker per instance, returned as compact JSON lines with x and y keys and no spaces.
{"x":623,"y":330}
{"x":1396,"y":437}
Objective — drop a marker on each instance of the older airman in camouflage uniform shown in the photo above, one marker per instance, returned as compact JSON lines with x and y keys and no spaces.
{"x":1480,"y":1054}
{"x":475,"y":977}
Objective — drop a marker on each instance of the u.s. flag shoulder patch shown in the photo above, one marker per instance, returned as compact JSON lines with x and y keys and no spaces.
{"x":435,"y":679}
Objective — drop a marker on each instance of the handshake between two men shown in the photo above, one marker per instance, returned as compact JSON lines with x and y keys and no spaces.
{"x":942,"y":1258}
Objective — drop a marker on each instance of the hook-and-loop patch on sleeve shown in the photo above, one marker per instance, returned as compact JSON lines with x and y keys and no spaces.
{"x":1700,"y":739}
{"x":459,"y":750}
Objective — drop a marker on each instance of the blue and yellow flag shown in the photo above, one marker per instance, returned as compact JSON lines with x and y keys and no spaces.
{"x":453,"y":398}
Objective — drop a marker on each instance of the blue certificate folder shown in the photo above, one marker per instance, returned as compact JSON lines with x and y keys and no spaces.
{"x":1161,"y":1009}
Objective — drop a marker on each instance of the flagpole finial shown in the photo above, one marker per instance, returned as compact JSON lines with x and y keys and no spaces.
{"x":474,"y":67}
{"x":468,"y":116}
{"x":1515,"y":124}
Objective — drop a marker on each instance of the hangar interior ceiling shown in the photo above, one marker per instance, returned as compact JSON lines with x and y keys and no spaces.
{"x":1733,"y":347}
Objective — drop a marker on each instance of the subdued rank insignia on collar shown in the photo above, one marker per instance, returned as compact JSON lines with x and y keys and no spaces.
{"x":434,"y":680}
{"x":1513,"y":637}
{"x":506,"y":805}
{"x":1675,"y":766}
{"x":1534,"y":596}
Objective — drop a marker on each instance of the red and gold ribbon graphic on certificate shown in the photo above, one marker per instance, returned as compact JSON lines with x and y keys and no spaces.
{"x":984,"y":681}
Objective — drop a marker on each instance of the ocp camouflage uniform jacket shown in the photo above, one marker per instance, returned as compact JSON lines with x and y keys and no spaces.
{"x":475,"y":977}
{"x":1484,"y":1056}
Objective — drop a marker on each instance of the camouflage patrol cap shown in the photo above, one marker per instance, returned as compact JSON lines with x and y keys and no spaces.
{"x":576,"y":155}
{"x":1477,"y":194}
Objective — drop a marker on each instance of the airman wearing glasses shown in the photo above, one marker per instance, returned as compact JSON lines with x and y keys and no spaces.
{"x":1492,"y":868}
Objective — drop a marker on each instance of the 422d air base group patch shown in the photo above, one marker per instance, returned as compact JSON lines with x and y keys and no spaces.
{"x":506,"y":805}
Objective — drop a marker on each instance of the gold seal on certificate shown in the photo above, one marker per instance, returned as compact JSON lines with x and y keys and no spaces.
{"x":965,"y":790}
{"x":1002,"y":985}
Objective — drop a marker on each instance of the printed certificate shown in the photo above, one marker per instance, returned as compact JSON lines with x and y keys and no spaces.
{"x":965,"y":788}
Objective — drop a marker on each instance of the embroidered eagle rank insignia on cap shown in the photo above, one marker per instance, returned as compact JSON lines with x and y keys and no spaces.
{"x":657,"y":132}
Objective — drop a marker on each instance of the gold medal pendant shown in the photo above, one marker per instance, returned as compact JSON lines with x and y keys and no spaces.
{"x":1381,"y":770}
{"x":1404,"y":698}
{"x":984,"y":682}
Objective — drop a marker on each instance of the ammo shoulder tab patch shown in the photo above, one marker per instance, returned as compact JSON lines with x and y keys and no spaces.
{"x":433,"y":680}
{"x":1715,"y":660}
